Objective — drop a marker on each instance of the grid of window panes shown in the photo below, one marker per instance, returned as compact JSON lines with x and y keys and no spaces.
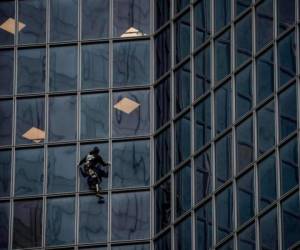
{"x":74,"y":74}
{"x":226,"y":104}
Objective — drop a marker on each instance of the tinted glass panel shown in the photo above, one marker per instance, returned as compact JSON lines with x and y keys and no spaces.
{"x":222,"y":55}
{"x":183,"y":235}
{"x":164,"y":242}
{"x":5,"y":168}
{"x":132,"y":247}
{"x":268,"y":231}
{"x":182,"y":37}
{"x":6,"y":71}
{"x":286,"y":14}
{"x":162,"y":97}
{"x":202,"y":22}
{"x":7,"y":10}
{"x":6,"y":122}
{"x":222,"y":13}
{"x":227,"y":246}
{"x":162,"y":12}
{"x":246,"y":239}
{"x":204,"y":227}
{"x":180,"y":4}
{"x":4,"y":224}
{"x":241,"y":5}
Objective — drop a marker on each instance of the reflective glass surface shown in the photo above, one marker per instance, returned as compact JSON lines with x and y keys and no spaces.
{"x":182,"y":87}
{"x":5,"y":171}
{"x":6,"y":122}
{"x":222,"y":54}
{"x":7,"y":10}
{"x":286,"y":14}
{"x":241,"y":5}
{"x":182,"y":37}
{"x":183,"y":235}
{"x":246,"y":239}
{"x":222,"y":13}
{"x":132,"y":247}
{"x":227,"y":246}
{"x":181,"y":4}
{"x":162,"y":12}
{"x":162,"y":97}
{"x":268,"y":230}
{"x":202,"y":22}
{"x":6,"y":71}
{"x":164,"y":242}
{"x":4,"y":225}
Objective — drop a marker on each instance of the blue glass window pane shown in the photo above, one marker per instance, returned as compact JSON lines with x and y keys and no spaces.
{"x":6,"y":122}
{"x":94,"y":70}
{"x":183,"y":235}
{"x":241,"y":5}
{"x":268,"y":230}
{"x":162,"y":101}
{"x":60,"y":223}
{"x":246,"y":239}
{"x":130,"y":164}
{"x":132,"y":247}
{"x":5,"y":172}
{"x":286,"y":14}
{"x":222,"y":13}
{"x":222,"y":55}
{"x":63,"y":20}
{"x":182,"y":37}
{"x":61,"y":169}
{"x":162,"y":12}
{"x":289,"y":170}
{"x":29,"y":171}
{"x":181,"y":4}
{"x":6,"y":71}
{"x":94,"y":116}
{"x":7,"y":10}
{"x":227,"y":246}
{"x":92,"y":219}
{"x":202,"y":22}
{"x":4,"y":225}
{"x":163,"y":242}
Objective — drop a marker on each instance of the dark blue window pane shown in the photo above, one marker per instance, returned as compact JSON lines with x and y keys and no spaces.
{"x":202,"y":123}
{"x":6,"y":71}
{"x":227,"y":246}
{"x":222,"y":55}
{"x":130,"y":216}
{"x":268,"y":230}
{"x":286,"y":14}
{"x":246,"y":239}
{"x":288,"y":155}
{"x":202,"y":22}
{"x":162,"y":12}
{"x":63,"y":16}
{"x":286,"y":59}
{"x":181,"y":4}
{"x":244,"y":91}
{"x":61,"y":169}
{"x":203,"y":175}
{"x":92,"y":219}
{"x":60,"y":222}
{"x":182,"y":138}
{"x":264,"y":75}
{"x":131,"y":164}
{"x":94,"y":116}
{"x":183,"y":235}
{"x":95,"y":19}
{"x":5,"y":172}
{"x":182,"y":37}
{"x":162,"y":206}
{"x":287,"y":112}
{"x":245,"y":197}
{"x":291,"y":220}
{"x":162,"y":154}
{"x":162,"y":103}
{"x":222,"y":13}
{"x":244,"y":140}
{"x":164,"y":242}
{"x":264,"y":23}
{"x":183,"y":190}
{"x":223,"y":162}
{"x":224,"y":213}
{"x":223,"y":105}
{"x":265,"y":128}
{"x":4,"y":225}
{"x":241,"y":5}
{"x":33,"y":14}
{"x":27,"y":224}
{"x":204,"y":227}
{"x":7,"y":13}
{"x":202,"y":70}
{"x":132,"y":247}
{"x":267,"y":181}
{"x":6,"y":122}
{"x":94,"y":70}
{"x":29,"y":172}
{"x":63,"y":68}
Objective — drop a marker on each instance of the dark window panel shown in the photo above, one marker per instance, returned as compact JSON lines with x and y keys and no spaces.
{"x":130,"y":216}
{"x":287,"y":112}
{"x":29,"y":171}
{"x":162,"y":205}
{"x":63,"y":68}
{"x":94,"y":70}
{"x":60,"y":223}
{"x":182,"y":37}
{"x":27,"y":224}
{"x":289,"y":170}
{"x":162,"y":12}
{"x":132,"y":247}
{"x":183,"y":235}
{"x":33,"y":14}
{"x":286,"y":14}
{"x":131,"y":14}
{"x":6,"y":71}
{"x":244,"y":96}
{"x":202,"y":27}
{"x":222,"y":13}
{"x":222,"y":55}
{"x":268,"y":230}
{"x":203,"y":175}
{"x":244,"y":140}
{"x":202,"y":70}
{"x":204,"y":227}
{"x":227,"y":246}
{"x":90,"y":248}
{"x":7,"y":10}
{"x":246,"y":239}
{"x":224,"y":213}
{"x":6,"y":109}
{"x":163,"y":242}
{"x":95,"y":19}
{"x":264,"y":23}
{"x":223,"y":162}
{"x":241,"y":5}
{"x":61,"y":169}
{"x":91,"y":229}
{"x":202,"y":114}
{"x":264,"y":75}
{"x":5,"y":173}
{"x":63,"y":20}
{"x":4,"y":225}
{"x":181,"y":4}
{"x":131,"y":164}
{"x":267,"y":181}
{"x":94,"y":116}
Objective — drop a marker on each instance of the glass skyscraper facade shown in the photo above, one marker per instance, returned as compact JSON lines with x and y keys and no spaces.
{"x":194,"y":103}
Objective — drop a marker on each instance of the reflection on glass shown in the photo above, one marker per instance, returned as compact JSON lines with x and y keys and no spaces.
{"x":61,"y":169}
{"x":202,"y":22}
{"x":6,"y":71}
{"x":94,"y":70}
{"x":60,"y":223}
{"x":182,"y":37}
{"x":131,"y":14}
{"x":246,"y":239}
{"x":4,"y":224}
{"x":92,"y":219}
{"x":7,"y":12}
{"x":29,"y":171}
{"x":33,"y":14}
{"x":182,"y":87}
{"x":163,"y":242}
{"x":268,"y":230}
{"x":285,"y":14}
{"x":132,"y":247}
{"x":162,"y":12}
{"x":63,"y":17}
{"x":241,"y":5}
{"x":222,"y":55}
{"x":95,"y":19}
{"x":162,"y":103}
{"x":62,"y":118}
{"x":27,"y":224}
{"x":63,"y":68}
{"x":222,"y":13}
{"x":204,"y":227}
{"x":5,"y":170}
{"x":6,"y":122}
{"x":183,"y":235}
{"x":130,"y":216}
